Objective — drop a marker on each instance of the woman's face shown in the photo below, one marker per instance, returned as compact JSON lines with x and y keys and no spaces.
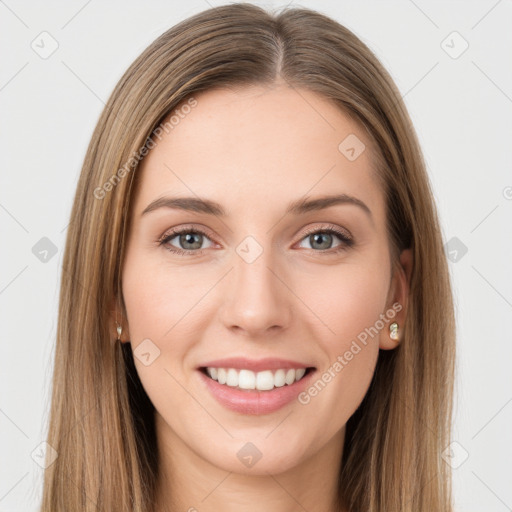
{"x":266,"y":285}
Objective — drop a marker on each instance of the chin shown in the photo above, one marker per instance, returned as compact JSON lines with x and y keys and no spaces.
{"x":259,"y":457}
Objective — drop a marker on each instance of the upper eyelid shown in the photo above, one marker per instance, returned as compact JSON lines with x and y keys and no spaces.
{"x":329,"y":227}
{"x":172,"y":232}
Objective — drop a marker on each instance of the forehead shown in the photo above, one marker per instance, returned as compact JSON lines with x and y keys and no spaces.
{"x":259,"y":145}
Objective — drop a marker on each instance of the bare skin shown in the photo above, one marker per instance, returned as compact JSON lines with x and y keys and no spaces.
{"x":255,"y":150}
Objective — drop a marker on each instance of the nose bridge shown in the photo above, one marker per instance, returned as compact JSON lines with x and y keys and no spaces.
{"x":257,"y":297}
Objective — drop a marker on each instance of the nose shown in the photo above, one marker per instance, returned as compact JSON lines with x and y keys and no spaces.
{"x":257,"y":301}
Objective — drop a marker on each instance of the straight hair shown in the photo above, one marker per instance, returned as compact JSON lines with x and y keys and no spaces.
{"x":101,"y":420}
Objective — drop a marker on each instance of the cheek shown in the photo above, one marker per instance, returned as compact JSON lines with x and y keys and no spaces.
{"x":349,"y":305}
{"x":165,"y":305}
{"x":347,"y":302}
{"x":158,"y":299}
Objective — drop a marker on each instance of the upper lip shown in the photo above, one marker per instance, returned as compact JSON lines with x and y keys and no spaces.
{"x":256,"y":365}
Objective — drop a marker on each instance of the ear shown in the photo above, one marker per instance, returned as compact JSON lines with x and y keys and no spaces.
{"x":398,"y":299}
{"x":117,"y":318}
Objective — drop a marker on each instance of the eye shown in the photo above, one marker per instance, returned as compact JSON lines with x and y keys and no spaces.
{"x":322,"y":238}
{"x":190,"y":239}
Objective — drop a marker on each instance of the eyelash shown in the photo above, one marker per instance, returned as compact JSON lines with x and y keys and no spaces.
{"x":347,"y":241}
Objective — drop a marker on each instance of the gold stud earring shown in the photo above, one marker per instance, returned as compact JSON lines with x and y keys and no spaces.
{"x":393,"y":331}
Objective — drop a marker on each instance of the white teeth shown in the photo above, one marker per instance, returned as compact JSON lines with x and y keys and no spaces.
{"x":265,"y":380}
{"x":300,"y":373}
{"x":246,"y":379}
{"x":232,"y":377}
{"x":290,"y":377}
{"x":262,"y":381}
{"x":221,"y":376}
{"x":279,"y":378}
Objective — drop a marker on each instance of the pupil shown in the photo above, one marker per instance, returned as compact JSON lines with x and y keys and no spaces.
{"x":188,"y":238}
{"x":320,"y":235}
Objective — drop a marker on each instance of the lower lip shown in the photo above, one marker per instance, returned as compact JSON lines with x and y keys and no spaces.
{"x":253,"y":401}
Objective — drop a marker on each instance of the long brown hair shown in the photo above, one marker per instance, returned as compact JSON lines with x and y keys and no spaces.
{"x":101,"y":420}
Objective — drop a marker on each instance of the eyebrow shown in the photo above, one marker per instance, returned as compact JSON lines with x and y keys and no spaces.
{"x":299,"y":207}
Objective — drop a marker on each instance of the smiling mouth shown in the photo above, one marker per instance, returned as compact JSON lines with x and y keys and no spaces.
{"x":248,"y":380}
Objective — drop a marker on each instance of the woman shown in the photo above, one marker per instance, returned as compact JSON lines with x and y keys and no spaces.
{"x":255,"y":309}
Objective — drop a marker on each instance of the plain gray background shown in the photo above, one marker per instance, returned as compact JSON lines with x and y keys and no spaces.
{"x":460,"y":100}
